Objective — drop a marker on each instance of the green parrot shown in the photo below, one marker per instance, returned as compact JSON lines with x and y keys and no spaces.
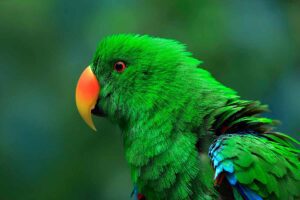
{"x":186,"y":135}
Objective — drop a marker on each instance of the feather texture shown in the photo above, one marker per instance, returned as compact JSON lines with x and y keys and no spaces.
{"x":170,"y":110}
{"x":257,"y":167}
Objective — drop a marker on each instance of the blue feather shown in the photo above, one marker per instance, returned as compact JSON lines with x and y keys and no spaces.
{"x":247,"y":193}
{"x":222,"y":165}
{"x":231,"y":178}
{"x":134,"y":193}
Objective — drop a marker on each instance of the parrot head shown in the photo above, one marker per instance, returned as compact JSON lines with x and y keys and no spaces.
{"x":131,"y":76}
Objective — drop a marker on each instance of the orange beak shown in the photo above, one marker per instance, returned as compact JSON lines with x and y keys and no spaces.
{"x":87,"y":94}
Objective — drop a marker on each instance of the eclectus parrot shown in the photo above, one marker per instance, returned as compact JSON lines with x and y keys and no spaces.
{"x":186,"y":136}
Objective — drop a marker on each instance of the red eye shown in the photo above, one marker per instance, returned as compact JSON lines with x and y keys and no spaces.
{"x":119,"y":66}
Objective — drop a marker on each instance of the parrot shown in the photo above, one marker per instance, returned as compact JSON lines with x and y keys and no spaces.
{"x":185,"y":135}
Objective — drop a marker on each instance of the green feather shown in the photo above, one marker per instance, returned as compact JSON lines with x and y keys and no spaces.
{"x":267,"y":167}
{"x":170,"y":110}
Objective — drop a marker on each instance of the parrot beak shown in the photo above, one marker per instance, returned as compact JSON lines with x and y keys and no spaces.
{"x":87,"y":94}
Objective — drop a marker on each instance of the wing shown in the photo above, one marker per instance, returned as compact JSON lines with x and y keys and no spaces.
{"x":256,"y":167}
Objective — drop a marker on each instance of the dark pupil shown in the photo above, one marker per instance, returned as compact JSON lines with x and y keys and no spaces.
{"x":119,"y":66}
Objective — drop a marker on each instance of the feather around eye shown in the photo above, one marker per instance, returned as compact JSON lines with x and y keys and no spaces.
{"x":119,"y":66}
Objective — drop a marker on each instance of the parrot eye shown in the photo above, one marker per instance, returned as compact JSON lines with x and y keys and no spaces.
{"x":120,"y":66}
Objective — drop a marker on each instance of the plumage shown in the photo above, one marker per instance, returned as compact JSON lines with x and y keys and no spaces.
{"x":258,"y":161}
{"x":186,"y":135}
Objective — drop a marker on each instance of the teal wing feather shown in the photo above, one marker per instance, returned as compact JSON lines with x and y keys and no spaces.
{"x":258,"y":166}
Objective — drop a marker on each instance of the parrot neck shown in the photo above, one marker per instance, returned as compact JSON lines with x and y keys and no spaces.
{"x":165,"y":162}
{"x":161,"y":138}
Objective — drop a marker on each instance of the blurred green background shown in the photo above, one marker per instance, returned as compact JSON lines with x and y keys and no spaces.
{"x":48,"y":152}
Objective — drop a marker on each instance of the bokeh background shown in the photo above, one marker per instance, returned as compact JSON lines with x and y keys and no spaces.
{"x":47,"y":151}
